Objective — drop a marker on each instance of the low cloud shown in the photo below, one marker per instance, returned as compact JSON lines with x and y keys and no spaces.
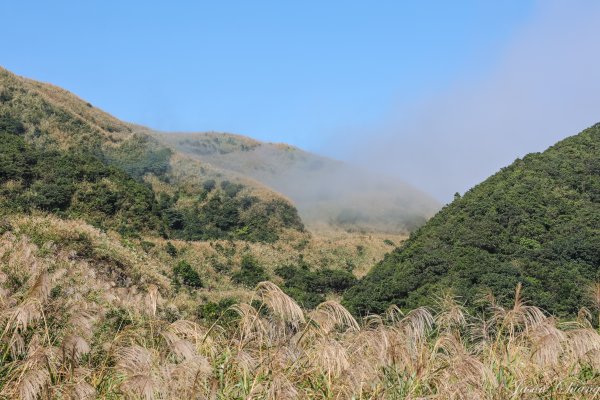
{"x":544,"y":88}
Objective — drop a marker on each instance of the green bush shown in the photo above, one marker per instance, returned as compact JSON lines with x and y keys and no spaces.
{"x":309,"y":287}
{"x":231,"y":189}
{"x":184,"y":274}
{"x":52,"y":196}
{"x":209,"y":185}
{"x":225,"y":217}
{"x":170,"y":249}
{"x":10,"y":124}
{"x":250,"y":272}
{"x":147,"y":246}
{"x":213,"y":311}
{"x":306,"y":299}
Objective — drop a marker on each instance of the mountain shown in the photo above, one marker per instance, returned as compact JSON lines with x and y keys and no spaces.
{"x":254,"y":181}
{"x":132,"y":270}
{"x":326,"y":192}
{"x":62,"y":157}
{"x":61,"y":154}
{"x":536,"y":221}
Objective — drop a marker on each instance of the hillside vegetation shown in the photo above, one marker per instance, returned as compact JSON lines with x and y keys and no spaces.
{"x":87,"y":315}
{"x":328,"y":193}
{"x":61,"y":154}
{"x":129,"y":269}
{"x":536,"y":222}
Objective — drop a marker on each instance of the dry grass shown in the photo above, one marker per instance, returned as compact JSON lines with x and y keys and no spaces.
{"x":323,"y":249}
{"x":69,"y":330}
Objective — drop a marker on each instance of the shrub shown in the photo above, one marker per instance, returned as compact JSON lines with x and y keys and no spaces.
{"x":213,"y":311}
{"x":231,"y":189}
{"x":310,"y":287}
{"x":184,"y":274}
{"x":250,"y":273}
{"x":360,"y":250}
{"x":10,"y":124}
{"x":174,"y":219}
{"x":209,"y":185}
{"x":147,"y":246}
{"x":170,"y":249}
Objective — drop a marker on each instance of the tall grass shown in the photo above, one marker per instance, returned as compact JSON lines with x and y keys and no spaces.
{"x":68,"y":331}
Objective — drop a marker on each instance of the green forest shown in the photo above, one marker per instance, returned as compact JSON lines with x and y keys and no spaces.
{"x":536,"y":221}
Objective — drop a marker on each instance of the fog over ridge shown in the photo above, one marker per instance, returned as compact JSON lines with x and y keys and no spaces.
{"x":544,"y":89}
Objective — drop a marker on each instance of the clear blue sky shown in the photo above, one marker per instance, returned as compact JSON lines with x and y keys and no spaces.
{"x":296,"y":72}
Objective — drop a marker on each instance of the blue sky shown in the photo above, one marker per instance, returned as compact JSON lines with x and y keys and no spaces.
{"x":296,"y":72}
{"x":440,"y":94}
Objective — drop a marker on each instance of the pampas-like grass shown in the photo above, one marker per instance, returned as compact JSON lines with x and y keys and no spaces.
{"x":74,"y":347}
{"x":521,"y":317}
{"x":69,"y":330}
{"x":282,"y":305}
{"x":140,"y":386}
{"x":332,"y":315}
{"x":134,"y":360}
{"x":82,"y":391}
{"x":281,"y":388}
{"x":251,"y":327}
{"x":33,"y":383}
{"x":328,"y":357}
{"x":151,"y":299}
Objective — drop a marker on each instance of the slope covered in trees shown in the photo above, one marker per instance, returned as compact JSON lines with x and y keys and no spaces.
{"x":536,"y":222}
{"x":61,"y":154}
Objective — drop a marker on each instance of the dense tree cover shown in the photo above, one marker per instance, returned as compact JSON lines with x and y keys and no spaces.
{"x":310,"y":287}
{"x":250,"y":272}
{"x":71,"y":184}
{"x":536,"y":222}
{"x":227,"y":214}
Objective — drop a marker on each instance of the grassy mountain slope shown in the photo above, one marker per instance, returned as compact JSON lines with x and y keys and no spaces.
{"x":61,"y":156}
{"x":85,"y":314}
{"x":326,"y":192}
{"x":536,"y":222}
{"x":103,"y":295}
{"x":137,"y":184}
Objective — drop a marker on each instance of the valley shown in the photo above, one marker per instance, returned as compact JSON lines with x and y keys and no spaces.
{"x":145,"y":265}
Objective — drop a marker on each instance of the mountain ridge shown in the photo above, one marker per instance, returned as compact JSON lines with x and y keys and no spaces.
{"x":328,"y":193}
{"x":49,"y":122}
{"x":323,"y":189}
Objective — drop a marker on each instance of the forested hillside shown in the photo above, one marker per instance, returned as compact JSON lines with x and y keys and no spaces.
{"x":536,"y":222}
{"x":61,"y":154}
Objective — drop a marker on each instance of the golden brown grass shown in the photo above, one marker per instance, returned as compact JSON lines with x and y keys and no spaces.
{"x":324,"y":249}
{"x":73,"y":328}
